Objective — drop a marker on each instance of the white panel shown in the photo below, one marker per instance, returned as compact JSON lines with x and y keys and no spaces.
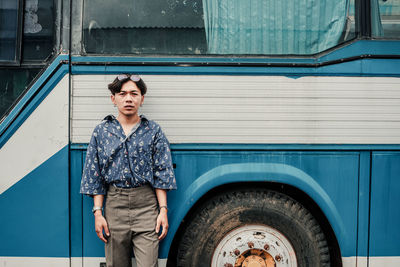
{"x":42,"y":135}
{"x":77,"y":262}
{"x":253,"y":109}
{"x":33,"y":262}
{"x":95,"y":262}
{"x":59,"y":262}
{"x":350,"y":262}
{"x":373,"y":261}
{"x":361,"y":262}
{"x":384,"y":261}
{"x":354,"y":261}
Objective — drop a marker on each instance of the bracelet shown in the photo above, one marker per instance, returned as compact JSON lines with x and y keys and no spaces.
{"x":165,"y":207}
{"x":95,"y":208}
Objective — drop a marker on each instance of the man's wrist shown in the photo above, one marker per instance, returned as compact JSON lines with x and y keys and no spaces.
{"x":164,"y":208}
{"x":98,"y":213}
{"x":96,"y":208}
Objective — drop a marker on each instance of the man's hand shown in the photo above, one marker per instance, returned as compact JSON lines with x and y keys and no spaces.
{"x":162,"y":220}
{"x":100,"y":224}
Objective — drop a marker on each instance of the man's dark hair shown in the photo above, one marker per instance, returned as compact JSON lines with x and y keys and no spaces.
{"x":116,"y":85}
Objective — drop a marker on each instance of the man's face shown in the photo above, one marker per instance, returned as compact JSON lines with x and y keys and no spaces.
{"x":128,"y":100}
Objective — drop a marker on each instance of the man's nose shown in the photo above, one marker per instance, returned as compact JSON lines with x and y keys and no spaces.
{"x":129,"y":97}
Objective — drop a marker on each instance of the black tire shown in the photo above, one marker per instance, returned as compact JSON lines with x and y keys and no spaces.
{"x":225,"y":212}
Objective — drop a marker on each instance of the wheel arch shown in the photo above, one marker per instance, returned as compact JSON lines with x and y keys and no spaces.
{"x":278,"y":177}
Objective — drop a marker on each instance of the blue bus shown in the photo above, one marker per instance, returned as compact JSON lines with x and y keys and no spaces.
{"x":283,"y":118}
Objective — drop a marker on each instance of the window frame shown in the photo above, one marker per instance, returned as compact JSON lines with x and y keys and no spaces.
{"x":19,"y":59}
{"x":18,"y":39}
{"x":362,"y":32}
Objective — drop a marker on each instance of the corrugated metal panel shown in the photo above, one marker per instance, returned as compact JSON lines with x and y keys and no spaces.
{"x":253,"y":109}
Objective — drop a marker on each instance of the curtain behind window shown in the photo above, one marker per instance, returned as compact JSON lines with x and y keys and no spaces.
{"x":273,"y":27}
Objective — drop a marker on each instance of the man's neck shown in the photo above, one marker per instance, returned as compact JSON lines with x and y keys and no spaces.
{"x":128,"y":120}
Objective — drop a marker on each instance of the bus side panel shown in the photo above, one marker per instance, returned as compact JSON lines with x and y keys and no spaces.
{"x":385,"y":211}
{"x":76,"y":208}
{"x":327,"y":171}
{"x":34,"y":212}
{"x":34,"y":182}
{"x":92,"y":245}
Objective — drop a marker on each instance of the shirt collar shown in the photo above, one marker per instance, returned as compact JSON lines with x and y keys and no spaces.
{"x":112,"y":117}
{"x":113,"y":123}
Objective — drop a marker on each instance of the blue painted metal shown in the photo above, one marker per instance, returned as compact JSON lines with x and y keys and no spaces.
{"x":269,"y":147}
{"x":363,"y":204}
{"x":92,"y":245}
{"x":352,"y":49}
{"x":320,"y":174}
{"x":363,"y":67}
{"x":34,"y":212}
{"x":76,"y":165}
{"x":192,"y":186}
{"x":29,"y":103}
{"x":363,"y":47}
{"x":385,"y":199}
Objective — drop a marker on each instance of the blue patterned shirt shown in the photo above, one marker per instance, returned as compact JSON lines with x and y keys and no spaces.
{"x":142,"y":157}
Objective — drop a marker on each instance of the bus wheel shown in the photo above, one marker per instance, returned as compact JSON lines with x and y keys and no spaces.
{"x":259,"y":228}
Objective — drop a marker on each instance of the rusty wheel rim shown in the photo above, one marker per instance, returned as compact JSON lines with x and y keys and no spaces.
{"x":254,"y":246}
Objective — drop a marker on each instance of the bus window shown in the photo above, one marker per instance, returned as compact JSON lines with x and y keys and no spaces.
{"x":38,"y":36}
{"x":385,"y":18}
{"x":8,"y":30}
{"x":144,"y":27}
{"x":13,"y":83}
{"x":215,"y":27}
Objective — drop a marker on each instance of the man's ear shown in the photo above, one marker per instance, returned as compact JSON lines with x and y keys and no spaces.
{"x":113,"y":99}
{"x":141,"y":102}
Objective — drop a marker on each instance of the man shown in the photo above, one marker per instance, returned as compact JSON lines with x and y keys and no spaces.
{"x":129,"y":160}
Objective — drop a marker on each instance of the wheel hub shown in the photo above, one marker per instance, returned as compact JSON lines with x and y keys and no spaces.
{"x":254,"y":246}
{"x":254,"y":261}
{"x":255,"y":258}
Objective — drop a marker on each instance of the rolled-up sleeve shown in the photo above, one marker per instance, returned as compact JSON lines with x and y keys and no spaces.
{"x":92,"y":182}
{"x":163,"y":171}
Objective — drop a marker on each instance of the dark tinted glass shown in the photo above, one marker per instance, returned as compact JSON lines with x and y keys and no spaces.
{"x":13,"y":82}
{"x":144,"y":27}
{"x":39,"y":31}
{"x":37,"y":45}
{"x":8,"y":30}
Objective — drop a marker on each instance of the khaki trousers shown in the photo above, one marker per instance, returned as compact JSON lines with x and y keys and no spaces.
{"x":131,"y":215}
